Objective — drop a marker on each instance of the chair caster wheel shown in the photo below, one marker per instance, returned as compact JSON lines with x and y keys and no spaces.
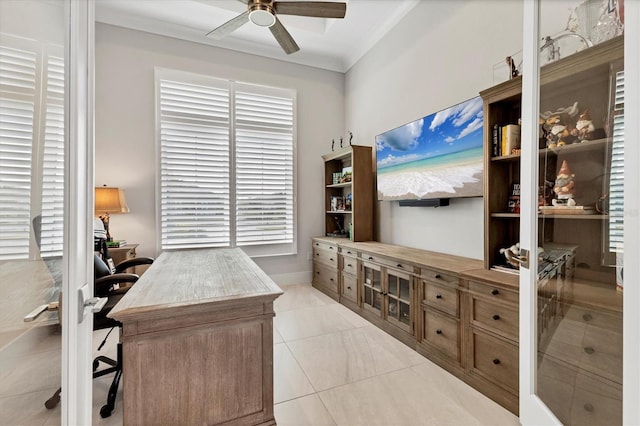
{"x":105,"y":411}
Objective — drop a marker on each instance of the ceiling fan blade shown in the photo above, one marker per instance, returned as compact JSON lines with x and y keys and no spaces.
{"x":283,"y":37}
{"x":318,"y":9}
{"x":229,"y":26}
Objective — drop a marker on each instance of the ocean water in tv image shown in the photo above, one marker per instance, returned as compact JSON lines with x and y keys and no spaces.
{"x":438,"y":156}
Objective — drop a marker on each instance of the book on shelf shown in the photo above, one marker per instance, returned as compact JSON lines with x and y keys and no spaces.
{"x":116,"y":244}
{"x":510,"y":139}
{"x":513,"y":204}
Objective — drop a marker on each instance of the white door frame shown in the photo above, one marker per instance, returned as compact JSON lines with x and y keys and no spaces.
{"x":77,"y":322}
{"x":532,"y":409}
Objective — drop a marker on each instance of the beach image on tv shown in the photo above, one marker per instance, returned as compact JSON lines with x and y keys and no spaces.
{"x":438,"y":156}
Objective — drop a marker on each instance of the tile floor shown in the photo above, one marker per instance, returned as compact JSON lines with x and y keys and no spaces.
{"x":331,"y":367}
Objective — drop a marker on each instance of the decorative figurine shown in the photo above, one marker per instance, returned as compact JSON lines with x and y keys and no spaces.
{"x":333,"y":143}
{"x":585,"y":129}
{"x":350,"y":137}
{"x":564,"y":187}
{"x":512,"y":67}
{"x":557,"y":126}
{"x":340,"y":141}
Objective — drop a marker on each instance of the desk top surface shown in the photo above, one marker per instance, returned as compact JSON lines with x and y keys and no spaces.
{"x":181,"y":279}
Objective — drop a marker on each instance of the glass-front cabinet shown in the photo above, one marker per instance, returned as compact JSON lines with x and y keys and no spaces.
{"x":571,"y":222}
{"x":388,"y":293}
{"x":399,"y":294}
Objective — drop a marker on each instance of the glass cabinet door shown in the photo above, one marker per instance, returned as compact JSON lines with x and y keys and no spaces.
{"x":372,"y":297}
{"x":576,"y":227}
{"x":399,"y":299}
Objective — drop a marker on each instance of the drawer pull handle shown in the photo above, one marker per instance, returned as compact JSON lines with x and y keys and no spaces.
{"x":348,"y":252}
{"x":495,"y":292}
{"x":587,"y":317}
{"x":438,"y":296}
{"x":330,"y":279}
{"x":438,"y":331}
{"x":370,"y":258}
{"x":438,"y":276}
{"x":348,"y":287}
{"x":317,"y":254}
{"x":588,"y":407}
{"x":330,"y":248}
{"x":496,"y":361}
{"x":496,"y":317}
{"x":399,"y":265}
{"x":318,"y":245}
{"x":589,"y":350}
{"x":331,"y":259}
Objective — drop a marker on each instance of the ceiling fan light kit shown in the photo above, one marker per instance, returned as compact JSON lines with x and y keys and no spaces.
{"x":263,"y":13}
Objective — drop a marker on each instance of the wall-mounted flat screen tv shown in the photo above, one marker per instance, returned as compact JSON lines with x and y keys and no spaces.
{"x":438,"y":156}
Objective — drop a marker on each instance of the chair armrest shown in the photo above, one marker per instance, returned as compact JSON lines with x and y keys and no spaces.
{"x":130,"y":263}
{"x":104,"y":286}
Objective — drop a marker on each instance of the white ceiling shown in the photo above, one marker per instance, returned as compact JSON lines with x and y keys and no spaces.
{"x":333,"y":44}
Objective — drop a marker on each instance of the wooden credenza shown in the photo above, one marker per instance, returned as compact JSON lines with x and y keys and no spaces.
{"x":198,"y":341}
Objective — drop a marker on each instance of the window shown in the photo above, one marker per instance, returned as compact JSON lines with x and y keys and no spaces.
{"x":226,"y":172}
{"x":31,"y":148}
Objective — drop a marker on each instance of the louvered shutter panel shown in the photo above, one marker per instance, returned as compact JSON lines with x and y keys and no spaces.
{"x":194,"y":164}
{"x":17,"y":99}
{"x":264,"y":145}
{"x":52,"y":234}
{"x":616,"y":182}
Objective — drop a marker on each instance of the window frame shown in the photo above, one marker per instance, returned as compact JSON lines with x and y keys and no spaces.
{"x":257,"y":250}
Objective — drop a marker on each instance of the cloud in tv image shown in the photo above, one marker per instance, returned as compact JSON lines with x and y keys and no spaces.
{"x":438,"y":156}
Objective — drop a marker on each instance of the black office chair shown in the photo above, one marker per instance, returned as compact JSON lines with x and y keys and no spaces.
{"x":112,"y":285}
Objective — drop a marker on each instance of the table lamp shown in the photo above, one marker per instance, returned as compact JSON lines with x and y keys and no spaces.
{"x":109,"y":201}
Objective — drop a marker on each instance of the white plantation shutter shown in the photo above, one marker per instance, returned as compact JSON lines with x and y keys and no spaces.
{"x":194,"y":164}
{"x":226,"y":164}
{"x":264,"y":165}
{"x":616,"y":182}
{"x":52,"y":233}
{"x":17,"y":100}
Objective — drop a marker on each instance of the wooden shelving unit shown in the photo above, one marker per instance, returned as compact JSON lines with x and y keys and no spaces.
{"x":359,"y":188}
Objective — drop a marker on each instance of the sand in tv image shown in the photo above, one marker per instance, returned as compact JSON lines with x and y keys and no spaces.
{"x":438,"y":156}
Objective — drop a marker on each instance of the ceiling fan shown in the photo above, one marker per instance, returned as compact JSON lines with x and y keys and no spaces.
{"x":264,"y":14}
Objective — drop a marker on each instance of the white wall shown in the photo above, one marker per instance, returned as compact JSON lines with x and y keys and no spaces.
{"x":442,"y":53}
{"x":125,"y":128}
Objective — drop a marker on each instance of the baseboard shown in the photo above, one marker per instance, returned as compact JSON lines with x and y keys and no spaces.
{"x":304,"y":277}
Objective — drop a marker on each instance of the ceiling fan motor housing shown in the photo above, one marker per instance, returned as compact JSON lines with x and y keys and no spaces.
{"x":261,"y":13}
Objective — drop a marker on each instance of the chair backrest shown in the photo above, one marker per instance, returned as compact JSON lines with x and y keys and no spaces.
{"x":100,"y":268}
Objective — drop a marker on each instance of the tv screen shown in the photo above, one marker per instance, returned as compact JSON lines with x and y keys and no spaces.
{"x":438,"y":156}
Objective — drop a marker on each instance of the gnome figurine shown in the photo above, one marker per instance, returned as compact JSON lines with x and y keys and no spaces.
{"x":584,"y":127}
{"x":564,"y":186}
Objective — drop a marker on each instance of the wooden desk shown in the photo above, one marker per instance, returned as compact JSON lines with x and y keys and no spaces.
{"x":198,"y":341}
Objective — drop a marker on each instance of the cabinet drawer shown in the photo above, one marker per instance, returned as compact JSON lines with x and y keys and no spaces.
{"x":327,"y":257}
{"x":441,"y":332}
{"x":348,"y":252}
{"x":493,"y":292}
{"x":496,"y":317}
{"x":393,"y":263}
{"x":350,"y":287}
{"x":496,"y":360}
{"x":325,"y":277}
{"x":350,"y":265}
{"x":438,"y":277}
{"x":442,"y":298}
{"x":325,"y":246}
